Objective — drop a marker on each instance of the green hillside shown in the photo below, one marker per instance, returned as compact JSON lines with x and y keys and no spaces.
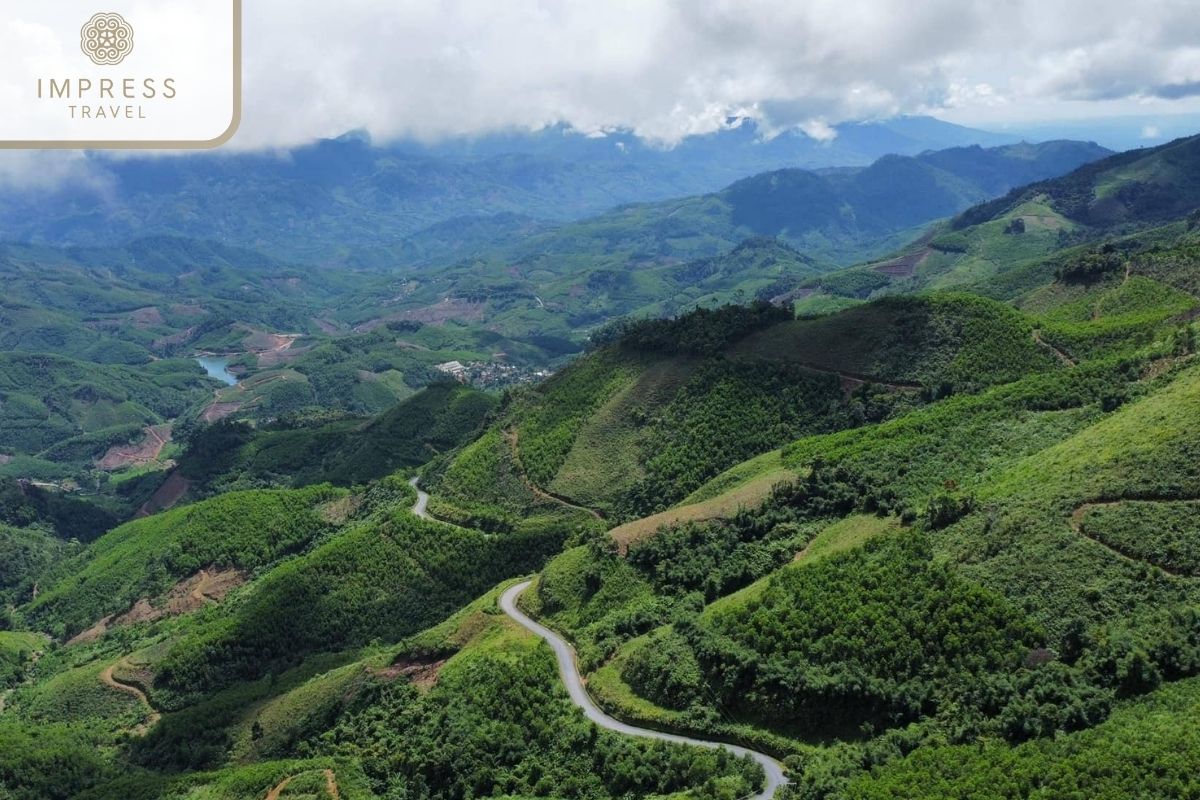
{"x":628,"y":260}
{"x":242,"y":531}
{"x":1141,"y":201}
{"x":933,"y":536}
{"x":641,"y":423}
{"x":299,"y":451}
{"x":60,"y":409}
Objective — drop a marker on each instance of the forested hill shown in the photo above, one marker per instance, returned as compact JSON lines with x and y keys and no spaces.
{"x":1137,"y":187}
{"x":1133,"y":202}
{"x":838,"y":213}
{"x":652,"y":259}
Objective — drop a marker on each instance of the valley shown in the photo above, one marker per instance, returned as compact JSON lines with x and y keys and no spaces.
{"x":875,"y":480}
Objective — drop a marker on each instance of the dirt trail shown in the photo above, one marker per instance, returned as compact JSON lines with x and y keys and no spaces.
{"x":750,"y":494}
{"x":850,"y":380}
{"x":110,"y":681}
{"x":330,"y":786}
{"x":278,"y":790}
{"x":511,"y":437}
{"x":1059,"y":354}
{"x":1081,"y":511}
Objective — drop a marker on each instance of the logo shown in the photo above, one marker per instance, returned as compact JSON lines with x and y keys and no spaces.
{"x":71,"y":78}
{"x":106,"y":39}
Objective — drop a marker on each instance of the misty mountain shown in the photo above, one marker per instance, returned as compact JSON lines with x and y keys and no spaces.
{"x":353,"y":202}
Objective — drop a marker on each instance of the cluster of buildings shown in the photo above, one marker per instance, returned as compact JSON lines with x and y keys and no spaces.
{"x":491,"y":374}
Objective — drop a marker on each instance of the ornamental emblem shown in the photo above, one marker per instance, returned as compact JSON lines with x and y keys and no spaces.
{"x":106,"y":39}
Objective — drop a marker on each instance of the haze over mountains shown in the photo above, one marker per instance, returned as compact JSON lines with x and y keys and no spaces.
{"x":348,"y":201}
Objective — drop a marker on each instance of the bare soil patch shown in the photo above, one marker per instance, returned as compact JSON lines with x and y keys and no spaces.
{"x":190,"y":594}
{"x":144,"y":452}
{"x":146,"y":317}
{"x":219,"y":410}
{"x":421,"y":672}
{"x":187,"y":310}
{"x":183,"y":337}
{"x":91,"y":634}
{"x":904,"y":266}
{"x":262,"y":342}
{"x":450,"y":308}
{"x":337,"y":512}
{"x":285,"y":355}
{"x":325,"y":326}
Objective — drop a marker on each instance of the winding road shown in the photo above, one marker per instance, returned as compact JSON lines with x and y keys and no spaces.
{"x":420,"y":508}
{"x":569,"y":671}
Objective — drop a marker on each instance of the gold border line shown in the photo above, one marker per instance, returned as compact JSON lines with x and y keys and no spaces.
{"x":138,"y":144}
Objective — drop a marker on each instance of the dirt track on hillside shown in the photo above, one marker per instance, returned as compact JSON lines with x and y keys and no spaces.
{"x":330,"y":786}
{"x":1059,"y":354}
{"x":1080,"y":512}
{"x":152,"y":718}
{"x":511,"y":437}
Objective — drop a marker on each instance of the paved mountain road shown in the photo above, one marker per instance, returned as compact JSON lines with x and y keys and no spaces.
{"x":569,"y":671}
{"x":420,"y":507}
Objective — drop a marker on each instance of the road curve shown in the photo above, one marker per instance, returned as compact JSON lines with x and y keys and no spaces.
{"x":152,"y":716}
{"x":420,"y":507}
{"x":569,"y":671}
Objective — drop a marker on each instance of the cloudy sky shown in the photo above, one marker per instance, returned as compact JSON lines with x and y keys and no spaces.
{"x":669,"y":68}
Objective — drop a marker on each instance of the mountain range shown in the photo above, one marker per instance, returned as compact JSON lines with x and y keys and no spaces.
{"x":920,"y":528}
{"x":347,"y":201}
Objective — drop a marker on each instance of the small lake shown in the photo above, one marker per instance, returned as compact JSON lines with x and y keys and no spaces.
{"x":217,"y":367}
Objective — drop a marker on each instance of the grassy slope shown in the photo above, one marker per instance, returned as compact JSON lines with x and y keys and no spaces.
{"x":956,"y":339}
{"x":383,"y":578}
{"x":144,"y":558}
{"x":983,"y":443}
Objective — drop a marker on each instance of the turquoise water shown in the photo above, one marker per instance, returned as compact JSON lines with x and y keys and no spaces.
{"x":218,"y":368}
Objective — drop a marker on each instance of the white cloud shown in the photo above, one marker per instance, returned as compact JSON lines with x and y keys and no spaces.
{"x":1151,"y":132}
{"x":670,"y":68}
{"x":48,"y":169}
{"x":819,"y":129}
{"x":666,"y":69}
